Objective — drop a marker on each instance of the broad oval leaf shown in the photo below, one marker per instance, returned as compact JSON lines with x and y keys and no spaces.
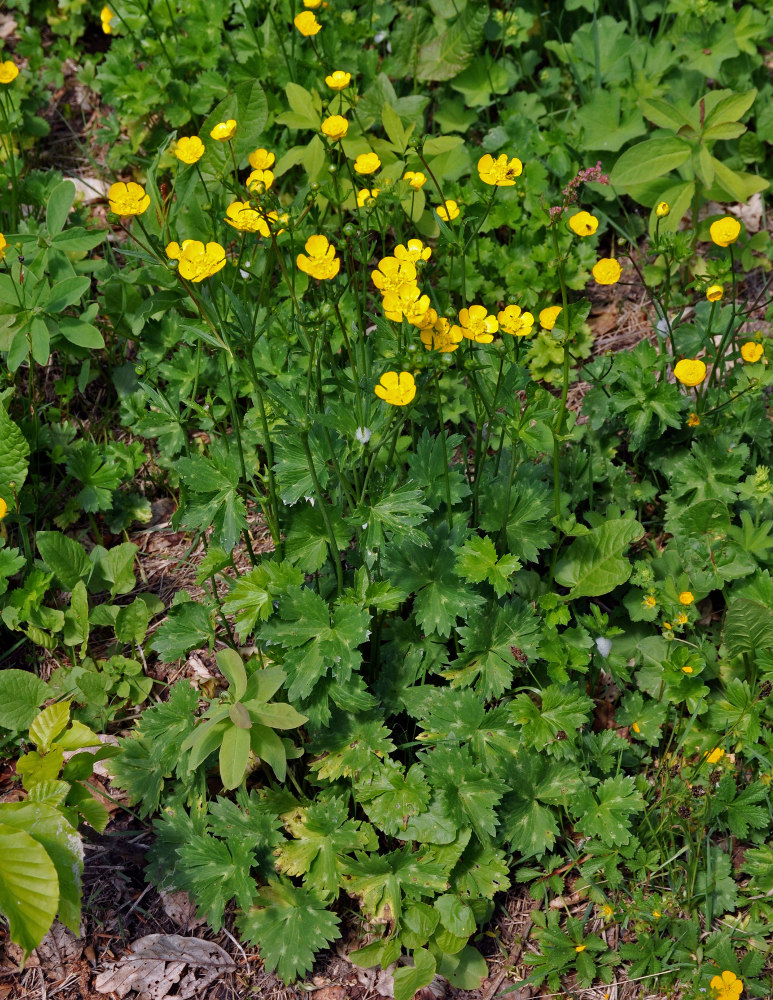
{"x":648,"y":159}
{"x":595,"y":563}
{"x":29,"y":887}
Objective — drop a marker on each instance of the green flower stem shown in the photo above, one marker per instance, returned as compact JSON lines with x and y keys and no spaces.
{"x":485,"y":215}
{"x":353,"y":363}
{"x":506,"y":514}
{"x":561,"y":415}
{"x":420,"y":154}
{"x":323,"y":509}
{"x":12,"y":161}
{"x":273,"y":521}
{"x":208,"y":197}
{"x":446,"y":478}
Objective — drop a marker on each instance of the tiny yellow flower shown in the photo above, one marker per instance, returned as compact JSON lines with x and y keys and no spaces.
{"x":686,"y":597}
{"x":3,"y":246}
{"x":128,"y":199}
{"x":714,"y":756}
{"x":256,"y":178}
{"x":635,"y":727}
{"x":448,"y":211}
{"x":364,"y":195}
{"x":693,"y":420}
{"x":8,"y":71}
{"x":583,"y":223}
{"x":725,"y":231}
{"x":580,"y":947}
{"x":548,"y":317}
{"x":396,"y":389}
{"x":751,"y":352}
{"x":197,"y":261}
{"x":336,"y":126}
{"x":321,"y":262}
{"x":367,"y":163}
{"x":668,"y":626}
{"x":649,"y":601}
{"x":107,"y":16}
{"x":728,"y":986}
{"x":261,"y":159}
{"x":416,"y":179}
{"x":500,"y":172}
{"x":413,"y":251}
{"x":681,"y":619}
{"x":338,"y":80}
{"x":685,"y":670}
{"x":242,"y":216}
{"x":224,"y":131}
{"x":312,"y":3}
{"x":714,"y":293}
{"x":607,"y":271}
{"x":442,"y":336}
{"x":607,"y":912}
{"x":3,"y":508}
{"x":663,"y":209}
{"x":307,"y":23}
{"x":515,"y":322}
{"x":657,"y":914}
{"x":477,"y":325}
{"x":189,"y":149}
{"x":690,"y":371}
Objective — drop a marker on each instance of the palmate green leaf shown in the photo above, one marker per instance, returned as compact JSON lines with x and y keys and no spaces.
{"x":644,"y":718}
{"x":29,"y":887}
{"x":493,"y":642}
{"x":427,"y":466}
{"x":528,"y":521}
{"x":21,"y":695}
{"x":468,"y":795}
{"x":381,"y":881}
{"x":707,"y":474}
{"x":481,"y":872}
{"x":307,"y":542}
{"x":292,"y":470}
{"x":214,"y":499}
{"x":529,"y":813}
{"x":187,"y":626}
{"x":99,"y":476}
{"x":14,"y":452}
{"x":391,"y":796}
{"x":289,"y":925}
{"x":748,"y":627}
{"x":215,"y":872}
{"x":744,"y":811}
{"x":564,"y":709}
{"x":595,"y":563}
{"x":395,"y":512}
{"x":451,"y":50}
{"x":477,"y":561}
{"x":351,"y":745}
{"x":253,"y":594}
{"x":608,"y":813}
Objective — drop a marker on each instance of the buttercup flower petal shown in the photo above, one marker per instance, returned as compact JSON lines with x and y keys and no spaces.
{"x":752,"y":351}
{"x":663,"y":209}
{"x":128,"y":199}
{"x":321,"y":262}
{"x":515,"y":322}
{"x":690,"y":371}
{"x":307,"y":23}
{"x":8,"y":71}
{"x":448,"y":211}
{"x":416,"y":179}
{"x":714,"y":293}
{"x":335,"y":127}
{"x":725,"y":231}
{"x":583,"y":223}
{"x":477,"y":325}
{"x":715,"y":755}
{"x":3,"y":508}
{"x":189,"y":149}
{"x":693,"y":420}
{"x":686,"y":597}
{"x":548,"y":317}
{"x":261,"y":159}
{"x":242,"y":216}
{"x":259,"y":177}
{"x":396,"y":389}
{"x":367,"y":163}
{"x":364,"y":195}
{"x":413,"y":251}
{"x":607,"y":271}
{"x":338,"y":80}
{"x":501,"y":172}
{"x":224,"y":131}
{"x":3,"y":246}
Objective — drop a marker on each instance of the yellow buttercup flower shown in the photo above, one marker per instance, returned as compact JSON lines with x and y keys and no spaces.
{"x":607,"y":912}
{"x":3,"y":508}
{"x":413,"y":251}
{"x":224,"y":131}
{"x":442,"y":336}
{"x":335,"y":127}
{"x":364,"y":195}
{"x":686,"y":597}
{"x":693,"y":420}
{"x":477,"y":325}
{"x":663,"y":209}
{"x":714,"y":293}
{"x":580,"y":947}
{"x":685,"y":670}
{"x":261,"y":159}
{"x":189,"y":149}
{"x":321,"y":262}
{"x":416,"y":179}
{"x":313,"y":3}
{"x":649,"y":601}
{"x":728,"y":986}
{"x":583,"y":223}
{"x":682,"y":619}
{"x":259,"y":177}
{"x":635,"y":727}
{"x":500,"y":172}
{"x":8,"y":71}
{"x":367,"y":163}
{"x":751,"y":351}
{"x":448,"y":211}
{"x":516,"y":323}
{"x":397,"y":389}
{"x":307,"y":23}
{"x":690,"y":371}
{"x":3,"y":246}
{"x":128,"y":199}
{"x":548,"y":317}
{"x":107,"y":16}
{"x":419,"y":313}
{"x":714,"y":756}
{"x":242,"y":216}
{"x":338,"y":80}
{"x":398,"y":304}
{"x":725,"y":231}
{"x":668,"y":626}
{"x":394,"y":275}
{"x":607,"y":271}
{"x":197,"y":260}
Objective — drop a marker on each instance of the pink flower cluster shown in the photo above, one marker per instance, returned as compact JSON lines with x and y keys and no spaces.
{"x":570,"y":192}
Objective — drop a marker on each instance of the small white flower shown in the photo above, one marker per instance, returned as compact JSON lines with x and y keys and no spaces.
{"x":603,"y":645}
{"x":363,"y":434}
